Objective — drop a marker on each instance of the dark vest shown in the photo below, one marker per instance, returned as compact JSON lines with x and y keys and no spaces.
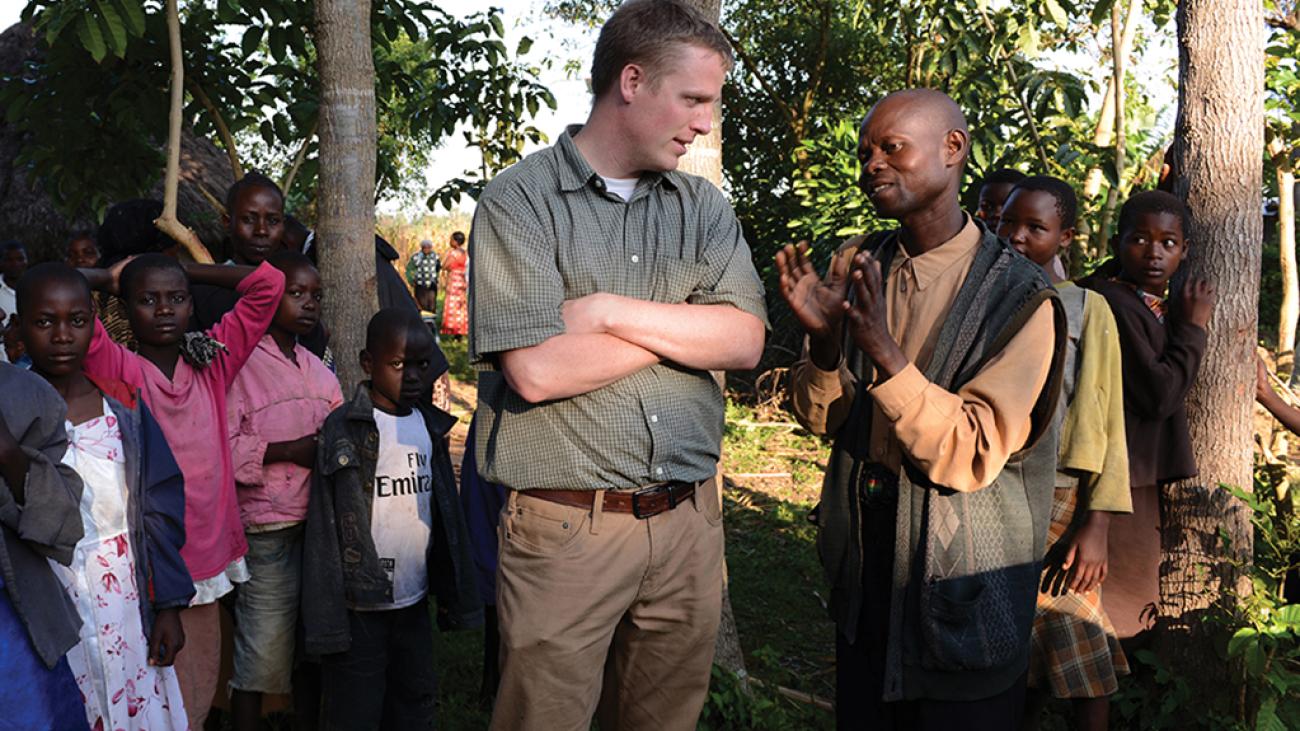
{"x":965,"y":565}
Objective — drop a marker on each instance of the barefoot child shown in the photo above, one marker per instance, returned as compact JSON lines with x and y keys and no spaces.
{"x":38,"y":521}
{"x":127,"y":578}
{"x":1074,"y":652}
{"x":184,"y":379}
{"x":384,"y":530}
{"x":1162,"y":349}
{"x":275,"y":411}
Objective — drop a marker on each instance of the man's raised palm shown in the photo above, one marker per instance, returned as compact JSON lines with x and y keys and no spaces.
{"x":817,"y":302}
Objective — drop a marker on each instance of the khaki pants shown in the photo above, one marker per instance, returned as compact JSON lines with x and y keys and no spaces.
{"x":578,"y":586}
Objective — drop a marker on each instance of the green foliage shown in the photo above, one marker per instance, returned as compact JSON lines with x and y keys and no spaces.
{"x":1157,"y":704}
{"x":792,"y":164}
{"x":1264,"y":646}
{"x":1259,"y":631}
{"x":734,"y":705}
{"x":106,"y":62}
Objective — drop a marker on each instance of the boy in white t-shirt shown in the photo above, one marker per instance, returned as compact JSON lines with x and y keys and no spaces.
{"x":384,"y":531}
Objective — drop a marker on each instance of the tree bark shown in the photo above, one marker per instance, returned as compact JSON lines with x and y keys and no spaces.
{"x":345,"y":224}
{"x":1217,"y":171}
{"x":704,"y":158}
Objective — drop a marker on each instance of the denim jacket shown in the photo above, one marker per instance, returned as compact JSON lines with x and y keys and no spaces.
{"x":340,"y":566}
{"x":155,"y":492}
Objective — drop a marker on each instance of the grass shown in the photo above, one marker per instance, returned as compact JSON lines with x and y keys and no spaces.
{"x":777,"y":588}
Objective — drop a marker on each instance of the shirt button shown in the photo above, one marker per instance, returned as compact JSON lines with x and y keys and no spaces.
{"x":635,"y":258}
{"x":654,"y":418}
{"x":659,"y":470}
{"x":343,"y":459}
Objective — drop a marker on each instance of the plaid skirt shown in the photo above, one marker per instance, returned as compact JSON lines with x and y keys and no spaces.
{"x":1074,"y":650}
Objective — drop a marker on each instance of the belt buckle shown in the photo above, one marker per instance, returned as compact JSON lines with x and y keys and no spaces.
{"x":664,"y":488}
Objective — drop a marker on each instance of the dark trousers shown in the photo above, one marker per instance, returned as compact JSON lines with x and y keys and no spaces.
{"x":860,"y":666}
{"x":427,"y":298}
{"x":386,"y":679}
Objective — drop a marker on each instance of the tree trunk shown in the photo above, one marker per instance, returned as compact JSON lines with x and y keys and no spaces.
{"x":704,"y":158}
{"x":1216,"y":163}
{"x":345,"y":202}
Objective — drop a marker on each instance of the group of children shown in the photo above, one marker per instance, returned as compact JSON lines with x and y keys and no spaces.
{"x":1131,"y":358}
{"x":143,"y":484}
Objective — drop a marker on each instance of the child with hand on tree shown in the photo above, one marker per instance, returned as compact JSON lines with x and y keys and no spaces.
{"x":1075,"y":653}
{"x":127,"y":578}
{"x":275,"y":411}
{"x":1162,"y":349}
{"x":184,"y":378}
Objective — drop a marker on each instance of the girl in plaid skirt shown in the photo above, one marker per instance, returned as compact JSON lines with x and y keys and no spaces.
{"x":1075,"y":653}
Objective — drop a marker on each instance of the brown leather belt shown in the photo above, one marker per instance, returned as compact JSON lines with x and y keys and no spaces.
{"x":644,"y":503}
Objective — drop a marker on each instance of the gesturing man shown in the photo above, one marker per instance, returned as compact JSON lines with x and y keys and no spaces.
{"x":933,"y":357}
{"x":605,"y":286}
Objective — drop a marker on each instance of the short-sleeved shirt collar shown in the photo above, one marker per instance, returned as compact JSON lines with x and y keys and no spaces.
{"x":576,"y":172}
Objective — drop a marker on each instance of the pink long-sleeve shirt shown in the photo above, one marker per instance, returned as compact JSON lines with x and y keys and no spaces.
{"x":276,"y":399}
{"x":191,"y":409}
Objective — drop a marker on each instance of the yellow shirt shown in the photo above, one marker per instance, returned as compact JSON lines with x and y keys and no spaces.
{"x":1092,"y":435}
{"x":961,"y":440}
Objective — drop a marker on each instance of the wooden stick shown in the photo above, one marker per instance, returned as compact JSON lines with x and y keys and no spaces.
{"x":223,"y":131}
{"x":167,"y":222}
{"x":217,"y":205}
{"x":798,"y":695}
{"x":298,"y":158}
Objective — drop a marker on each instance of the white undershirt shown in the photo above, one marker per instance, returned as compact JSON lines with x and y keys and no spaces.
{"x":621,"y":187}
{"x":402,"y":516}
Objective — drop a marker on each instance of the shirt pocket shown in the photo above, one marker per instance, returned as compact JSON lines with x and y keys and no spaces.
{"x":676,"y":279}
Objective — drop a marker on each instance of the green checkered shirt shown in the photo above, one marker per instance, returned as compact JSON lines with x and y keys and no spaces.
{"x":546,"y":231}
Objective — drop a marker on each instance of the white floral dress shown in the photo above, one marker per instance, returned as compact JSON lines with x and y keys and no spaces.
{"x":120,"y":688}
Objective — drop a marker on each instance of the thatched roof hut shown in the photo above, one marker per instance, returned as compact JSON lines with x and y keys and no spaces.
{"x":27,"y":213}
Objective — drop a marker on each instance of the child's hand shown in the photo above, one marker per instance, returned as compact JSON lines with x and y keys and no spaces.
{"x":301,"y":451}
{"x":1198,"y":302}
{"x":1263,"y":384}
{"x":168,"y":637}
{"x":1084,"y":564}
{"x":1086,"y":558}
{"x":106,"y":280}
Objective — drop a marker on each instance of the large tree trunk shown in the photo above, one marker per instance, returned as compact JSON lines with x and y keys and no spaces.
{"x":704,"y":158}
{"x":345,"y":219}
{"x":1216,"y":164}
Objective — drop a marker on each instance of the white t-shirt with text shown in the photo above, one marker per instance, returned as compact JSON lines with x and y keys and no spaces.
{"x":402,"y":517}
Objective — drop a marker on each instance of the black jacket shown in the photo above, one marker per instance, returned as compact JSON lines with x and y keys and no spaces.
{"x":340,"y":565}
